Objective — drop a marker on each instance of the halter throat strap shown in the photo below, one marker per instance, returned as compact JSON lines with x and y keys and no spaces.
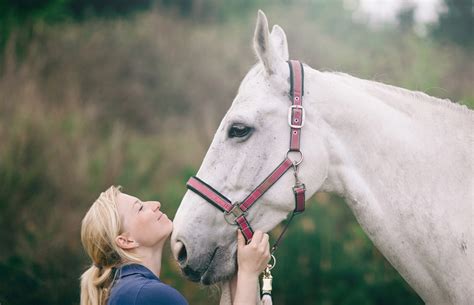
{"x":235,"y":213}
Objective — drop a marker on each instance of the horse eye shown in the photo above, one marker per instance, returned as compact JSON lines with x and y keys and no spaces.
{"x":239,"y":131}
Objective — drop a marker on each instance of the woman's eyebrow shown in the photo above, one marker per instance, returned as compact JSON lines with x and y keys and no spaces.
{"x":136,"y":201}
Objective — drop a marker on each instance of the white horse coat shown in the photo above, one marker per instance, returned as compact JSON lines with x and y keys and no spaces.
{"x":402,"y":160}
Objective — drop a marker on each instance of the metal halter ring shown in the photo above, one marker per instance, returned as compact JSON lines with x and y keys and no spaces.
{"x":270,"y":266}
{"x":298,"y":162}
{"x":236,"y":212}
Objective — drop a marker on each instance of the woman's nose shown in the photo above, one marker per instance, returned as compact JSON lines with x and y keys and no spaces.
{"x":156,"y":205}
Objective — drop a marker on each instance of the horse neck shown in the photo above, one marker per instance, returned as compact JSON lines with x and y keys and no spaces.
{"x":405,"y":167}
{"x":383,"y":145}
{"x":377,"y":132}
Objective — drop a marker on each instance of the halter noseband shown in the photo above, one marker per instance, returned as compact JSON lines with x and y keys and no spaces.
{"x":235,"y":213}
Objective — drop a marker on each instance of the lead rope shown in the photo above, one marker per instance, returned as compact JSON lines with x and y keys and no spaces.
{"x":267,"y":283}
{"x":267,"y":277}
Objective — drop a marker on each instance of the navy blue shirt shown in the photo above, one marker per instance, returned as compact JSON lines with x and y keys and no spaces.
{"x":137,"y":285}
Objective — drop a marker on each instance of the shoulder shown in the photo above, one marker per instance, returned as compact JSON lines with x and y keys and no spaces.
{"x":157,"y":293}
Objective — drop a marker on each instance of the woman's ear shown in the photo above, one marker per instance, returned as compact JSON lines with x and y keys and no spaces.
{"x":125,"y":242}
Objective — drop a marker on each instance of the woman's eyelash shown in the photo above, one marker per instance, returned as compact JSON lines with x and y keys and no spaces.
{"x":141,"y":208}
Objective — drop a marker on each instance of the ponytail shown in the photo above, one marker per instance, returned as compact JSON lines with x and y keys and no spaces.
{"x":96,"y":284}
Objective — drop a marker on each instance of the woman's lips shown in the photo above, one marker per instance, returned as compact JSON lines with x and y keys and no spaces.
{"x":159,"y":217}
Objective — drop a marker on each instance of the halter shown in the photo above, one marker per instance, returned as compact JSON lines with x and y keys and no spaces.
{"x":235,"y":213}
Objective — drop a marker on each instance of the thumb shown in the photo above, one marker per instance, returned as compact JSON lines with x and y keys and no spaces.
{"x":240,"y":239}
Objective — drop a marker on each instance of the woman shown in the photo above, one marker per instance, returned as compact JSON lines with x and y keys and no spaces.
{"x":124,"y":237}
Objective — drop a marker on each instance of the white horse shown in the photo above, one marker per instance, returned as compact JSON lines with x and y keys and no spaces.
{"x":402,"y":160}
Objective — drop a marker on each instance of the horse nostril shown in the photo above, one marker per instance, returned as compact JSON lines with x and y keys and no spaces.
{"x":182,"y":255}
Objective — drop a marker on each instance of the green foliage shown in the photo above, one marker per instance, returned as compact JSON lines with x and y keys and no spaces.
{"x":456,"y":23}
{"x":406,"y":18}
{"x":59,"y":10}
{"x":28,"y":262}
{"x":210,"y":10}
{"x":20,"y":16}
{"x":326,"y":258}
{"x":86,"y":105}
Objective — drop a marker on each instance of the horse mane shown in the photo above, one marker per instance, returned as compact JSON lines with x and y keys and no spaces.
{"x":374,"y":86}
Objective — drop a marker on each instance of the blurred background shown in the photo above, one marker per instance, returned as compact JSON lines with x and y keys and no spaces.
{"x":101,"y":92}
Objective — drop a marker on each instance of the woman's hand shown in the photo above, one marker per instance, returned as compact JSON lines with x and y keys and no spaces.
{"x":253,"y":258}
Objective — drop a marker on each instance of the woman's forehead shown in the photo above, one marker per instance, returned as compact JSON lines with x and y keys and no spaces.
{"x":126,"y":201}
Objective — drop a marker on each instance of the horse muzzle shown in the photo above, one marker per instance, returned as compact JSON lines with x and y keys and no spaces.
{"x":207,"y":268}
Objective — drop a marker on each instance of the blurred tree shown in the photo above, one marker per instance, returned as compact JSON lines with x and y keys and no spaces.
{"x":54,"y":10}
{"x":456,"y":23}
{"x":210,"y":10}
{"x":23,"y":14}
{"x":82,"y":8}
{"x":406,"y":17}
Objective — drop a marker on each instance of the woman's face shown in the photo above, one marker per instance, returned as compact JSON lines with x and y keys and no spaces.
{"x":143,"y":221}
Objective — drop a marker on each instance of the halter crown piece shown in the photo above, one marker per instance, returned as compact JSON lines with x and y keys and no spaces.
{"x":235,"y":213}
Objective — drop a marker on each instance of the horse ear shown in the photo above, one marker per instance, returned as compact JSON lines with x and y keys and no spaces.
{"x":264,"y":47}
{"x":278,"y":38}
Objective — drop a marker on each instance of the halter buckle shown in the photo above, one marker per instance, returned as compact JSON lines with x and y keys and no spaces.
{"x":290,"y":114}
{"x":236,"y":212}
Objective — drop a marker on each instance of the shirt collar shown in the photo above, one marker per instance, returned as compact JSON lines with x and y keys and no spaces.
{"x":130,"y":269}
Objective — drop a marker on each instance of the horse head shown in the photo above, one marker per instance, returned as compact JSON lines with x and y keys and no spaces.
{"x":252,"y":139}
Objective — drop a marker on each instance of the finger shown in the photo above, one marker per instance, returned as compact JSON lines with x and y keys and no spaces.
{"x":263,"y":242}
{"x":264,"y":247}
{"x":267,"y":252}
{"x":240,"y":239}
{"x":266,"y":243}
{"x":257,"y":237}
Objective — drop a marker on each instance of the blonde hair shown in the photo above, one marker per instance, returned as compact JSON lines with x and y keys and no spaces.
{"x":100,"y":227}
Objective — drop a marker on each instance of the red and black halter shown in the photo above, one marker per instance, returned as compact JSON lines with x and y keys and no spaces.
{"x":235,"y":213}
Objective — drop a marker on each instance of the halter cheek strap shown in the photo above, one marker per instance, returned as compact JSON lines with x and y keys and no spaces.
{"x":235,"y":213}
{"x":296,"y":113}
